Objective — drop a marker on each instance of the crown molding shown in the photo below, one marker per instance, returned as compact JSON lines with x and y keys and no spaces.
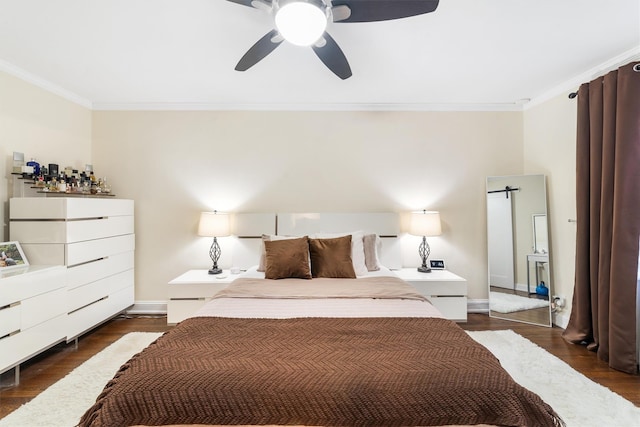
{"x":43,"y":84}
{"x":190,"y":106}
{"x":573,"y":83}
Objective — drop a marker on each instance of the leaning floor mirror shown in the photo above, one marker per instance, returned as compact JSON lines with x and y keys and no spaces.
{"x":518,"y":249}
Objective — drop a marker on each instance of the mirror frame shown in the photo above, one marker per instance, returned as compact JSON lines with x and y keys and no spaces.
{"x":533,"y":263}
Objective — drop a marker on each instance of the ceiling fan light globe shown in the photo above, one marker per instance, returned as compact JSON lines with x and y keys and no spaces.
{"x":301,"y":23}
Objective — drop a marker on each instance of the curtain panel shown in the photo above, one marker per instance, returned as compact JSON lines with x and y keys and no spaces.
{"x":608,"y":218}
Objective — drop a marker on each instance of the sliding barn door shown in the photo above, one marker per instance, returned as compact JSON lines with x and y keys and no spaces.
{"x":500,"y":240}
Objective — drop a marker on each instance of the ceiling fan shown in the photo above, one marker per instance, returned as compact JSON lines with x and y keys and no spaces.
{"x":303,"y":22}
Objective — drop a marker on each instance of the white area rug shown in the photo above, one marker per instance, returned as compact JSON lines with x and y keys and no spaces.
{"x":66,"y":401}
{"x":508,"y":303}
{"x":578,"y":400}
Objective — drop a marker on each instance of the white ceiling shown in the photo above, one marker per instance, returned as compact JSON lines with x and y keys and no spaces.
{"x":181,"y":54}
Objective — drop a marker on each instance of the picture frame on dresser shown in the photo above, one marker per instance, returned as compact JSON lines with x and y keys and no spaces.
{"x":12,"y":256}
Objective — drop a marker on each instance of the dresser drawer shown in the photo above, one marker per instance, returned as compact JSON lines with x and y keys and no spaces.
{"x":70,"y":231}
{"x":17,"y":348}
{"x":94,"y":291}
{"x":43,"y":307}
{"x":440,"y":288}
{"x":82,"y":274}
{"x":67,"y":208}
{"x":10,"y":319}
{"x":88,"y":317}
{"x":31,"y":281}
{"x":80,"y":252}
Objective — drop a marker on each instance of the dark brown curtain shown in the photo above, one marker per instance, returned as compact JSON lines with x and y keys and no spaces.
{"x":608,"y":218}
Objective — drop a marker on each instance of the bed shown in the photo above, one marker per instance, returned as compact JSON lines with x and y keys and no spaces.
{"x":323,"y":347}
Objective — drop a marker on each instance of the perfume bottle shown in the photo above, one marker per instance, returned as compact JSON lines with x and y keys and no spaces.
{"x":106,"y":188}
{"x":36,"y":166}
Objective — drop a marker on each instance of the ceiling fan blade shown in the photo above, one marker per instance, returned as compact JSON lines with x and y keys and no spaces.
{"x":340,"y":13}
{"x":383,"y":10}
{"x":242,"y":2}
{"x":258,"y":4}
{"x":258,"y":51}
{"x":330,"y":53}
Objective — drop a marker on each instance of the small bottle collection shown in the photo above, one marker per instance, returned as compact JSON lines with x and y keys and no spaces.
{"x":68,"y":180}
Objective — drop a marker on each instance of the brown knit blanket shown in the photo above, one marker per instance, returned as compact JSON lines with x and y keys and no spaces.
{"x":316,"y":372}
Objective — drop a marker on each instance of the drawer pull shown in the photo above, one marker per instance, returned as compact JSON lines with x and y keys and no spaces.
{"x":13,"y":304}
{"x":87,"y":305}
{"x":10,"y":334}
{"x":87,"y":262}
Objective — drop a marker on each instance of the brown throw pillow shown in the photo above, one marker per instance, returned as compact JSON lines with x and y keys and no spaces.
{"x":263,"y":256}
{"x":331,"y":257}
{"x":287,"y":259}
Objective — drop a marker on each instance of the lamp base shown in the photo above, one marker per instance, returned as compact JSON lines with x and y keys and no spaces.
{"x":424,"y":250}
{"x":215,"y":270}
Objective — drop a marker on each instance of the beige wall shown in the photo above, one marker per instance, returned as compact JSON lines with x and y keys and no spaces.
{"x":549,"y":148}
{"x":176,"y":164}
{"x":40,"y":125}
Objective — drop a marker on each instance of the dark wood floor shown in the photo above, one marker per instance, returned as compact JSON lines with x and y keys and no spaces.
{"x":46,"y":369}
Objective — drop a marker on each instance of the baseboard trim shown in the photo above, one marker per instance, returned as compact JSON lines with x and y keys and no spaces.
{"x":148,"y":307}
{"x":478,"y":306}
{"x":561,"y":320}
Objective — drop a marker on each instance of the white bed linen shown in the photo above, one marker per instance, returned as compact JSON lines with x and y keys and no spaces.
{"x":330,"y":307}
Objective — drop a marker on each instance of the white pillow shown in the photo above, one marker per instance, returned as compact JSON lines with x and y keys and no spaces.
{"x":372,"y":245}
{"x":357,"y":249}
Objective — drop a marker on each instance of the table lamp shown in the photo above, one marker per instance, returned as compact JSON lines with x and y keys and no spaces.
{"x":214,"y":224}
{"x":425,"y":223}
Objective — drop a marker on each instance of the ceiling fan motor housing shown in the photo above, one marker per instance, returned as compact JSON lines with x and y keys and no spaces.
{"x":301,"y":22}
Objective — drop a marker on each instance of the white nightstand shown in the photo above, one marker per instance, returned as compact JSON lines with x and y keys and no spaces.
{"x":445,"y":290}
{"x":191,"y":290}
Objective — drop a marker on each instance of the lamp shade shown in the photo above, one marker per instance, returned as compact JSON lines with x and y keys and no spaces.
{"x":425,"y":223}
{"x":213,"y":224}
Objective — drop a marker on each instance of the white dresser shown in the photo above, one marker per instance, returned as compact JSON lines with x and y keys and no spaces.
{"x":32,"y":313}
{"x":94,"y":238}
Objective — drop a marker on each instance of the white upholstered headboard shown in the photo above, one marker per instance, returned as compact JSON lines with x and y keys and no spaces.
{"x":249,"y":227}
